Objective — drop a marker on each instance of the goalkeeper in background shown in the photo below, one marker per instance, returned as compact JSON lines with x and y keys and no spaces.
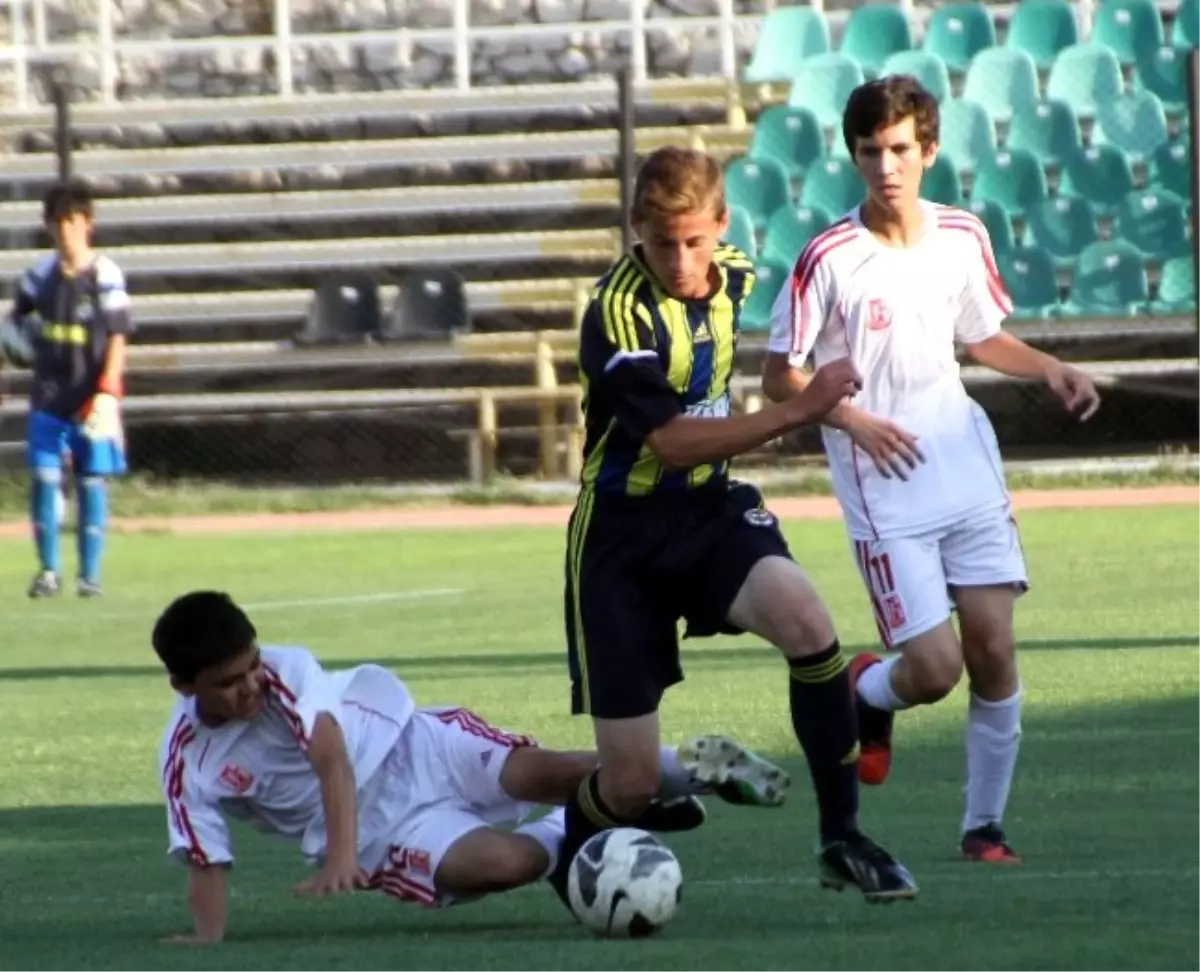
{"x":70,"y":322}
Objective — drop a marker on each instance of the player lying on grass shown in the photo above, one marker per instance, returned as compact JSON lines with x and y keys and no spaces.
{"x":379,"y":793}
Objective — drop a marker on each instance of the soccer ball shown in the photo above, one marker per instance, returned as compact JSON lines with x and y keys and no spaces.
{"x":624,"y":883}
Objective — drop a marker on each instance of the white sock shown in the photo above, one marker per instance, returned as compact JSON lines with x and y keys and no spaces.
{"x":548,"y":831}
{"x":674,"y":780}
{"x":993,"y":739}
{"x":875,"y":686}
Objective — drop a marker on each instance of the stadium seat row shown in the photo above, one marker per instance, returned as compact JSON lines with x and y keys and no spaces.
{"x":1109,"y":280}
{"x":956,"y":33}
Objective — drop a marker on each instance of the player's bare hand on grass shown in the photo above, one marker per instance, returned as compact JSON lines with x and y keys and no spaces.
{"x":831,"y":384}
{"x":1075,"y":388}
{"x":334,"y":878}
{"x":891,"y":448}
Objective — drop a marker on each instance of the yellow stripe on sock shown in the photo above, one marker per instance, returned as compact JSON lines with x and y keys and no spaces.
{"x":824,"y":672}
{"x":591,"y":810}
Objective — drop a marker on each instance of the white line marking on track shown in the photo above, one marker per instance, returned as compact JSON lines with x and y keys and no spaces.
{"x":967,"y":872}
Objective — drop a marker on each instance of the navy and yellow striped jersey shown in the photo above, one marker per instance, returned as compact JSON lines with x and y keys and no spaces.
{"x":644,"y":358}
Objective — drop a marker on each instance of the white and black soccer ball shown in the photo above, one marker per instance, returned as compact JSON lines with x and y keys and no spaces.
{"x":625,"y":883}
{"x":17,"y":339}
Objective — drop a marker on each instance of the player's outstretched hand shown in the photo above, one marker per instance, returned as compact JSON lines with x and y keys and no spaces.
{"x":333,"y":878}
{"x":1075,"y":388}
{"x":829,"y":386}
{"x":893,"y":450}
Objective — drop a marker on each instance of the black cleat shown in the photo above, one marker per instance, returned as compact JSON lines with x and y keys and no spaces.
{"x":671,"y":816}
{"x":859,"y":861}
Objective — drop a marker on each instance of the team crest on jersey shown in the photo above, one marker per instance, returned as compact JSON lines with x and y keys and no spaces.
{"x":879,"y":315}
{"x":893,"y":609}
{"x":759,"y":517}
{"x":236,"y":778}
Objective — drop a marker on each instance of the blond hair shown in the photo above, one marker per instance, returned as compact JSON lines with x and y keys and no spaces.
{"x":673,"y":181}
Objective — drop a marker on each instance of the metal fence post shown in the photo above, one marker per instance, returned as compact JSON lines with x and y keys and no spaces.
{"x":626,"y":150}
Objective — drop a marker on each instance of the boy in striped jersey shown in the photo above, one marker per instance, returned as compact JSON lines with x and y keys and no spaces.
{"x":895,"y":285}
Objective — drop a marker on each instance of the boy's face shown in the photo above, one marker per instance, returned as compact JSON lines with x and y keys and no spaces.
{"x":679,"y":250}
{"x":892,"y":163}
{"x":72,"y":234}
{"x":231,"y":690}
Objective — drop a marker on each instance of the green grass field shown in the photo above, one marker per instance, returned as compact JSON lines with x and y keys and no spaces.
{"x":1104,"y":809}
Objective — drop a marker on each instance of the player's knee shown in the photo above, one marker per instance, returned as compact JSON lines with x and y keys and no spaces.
{"x":804,"y":628}
{"x":48,"y":476}
{"x":992,"y":662}
{"x":627,"y":788}
{"x":936,"y":670}
{"x":516,"y":861}
{"x":779,"y":603}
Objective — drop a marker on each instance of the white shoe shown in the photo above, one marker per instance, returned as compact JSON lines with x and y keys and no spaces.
{"x":733,"y":772}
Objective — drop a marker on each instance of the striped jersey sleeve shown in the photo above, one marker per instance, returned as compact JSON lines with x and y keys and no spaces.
{"x":300,"y":688}
{"x":197,"y":832}
{"x":805,"y":300}
{"x":984,"y":303}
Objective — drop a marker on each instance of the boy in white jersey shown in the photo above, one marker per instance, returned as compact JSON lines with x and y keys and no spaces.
{"x":379,"y":793}
{"x":895,"y":285}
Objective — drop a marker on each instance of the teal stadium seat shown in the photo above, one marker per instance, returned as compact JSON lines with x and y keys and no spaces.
{"x":1003,"y":80}
{"x":927,"y":68}
{"x":1170,"y":169}
{"x":1176,"y":286}
{"x":769,"y":280}
{"x":1155,"y":222}
{"x":1049,"y":130}
{"x":787,"y":38}
{"x":873,"y":33}
{"x":995,"y":221}
{"x":1014,"y":179}
{"x":1109,"y":281}
{"x":823,"y":84}
{"x":834,"y":186}
{"x":760,"y":186}
{"x":1084,"y":76}
{"x":1101,"y":174}
{"x":1163,"y":72}
{"x":1029,"y":277}
{"x":940,"y":183}
{"x":790,"y":229}
{"x":959,"y":31}
{"x":1135,"y":123}
{"x":1062,"y":227}
{"x":741,"y":231}
{"x":1185,"y":31}
{"x":968,"y":135}
{"x":792,"y":135}
{"x":1042,"y":28}
{"x":1129,"y":28}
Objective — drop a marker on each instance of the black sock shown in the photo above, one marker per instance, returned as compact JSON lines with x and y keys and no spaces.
{"x":586,"y":815}
{"x":824,"y":721}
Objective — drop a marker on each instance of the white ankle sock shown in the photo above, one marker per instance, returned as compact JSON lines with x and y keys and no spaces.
{"x":993,"y":740}
{"x":674,"y":780}
{"x":549,"y":832}
{"x":875,"y":686}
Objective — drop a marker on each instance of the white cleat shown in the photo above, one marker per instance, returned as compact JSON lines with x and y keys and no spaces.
{"x":733,"y":772}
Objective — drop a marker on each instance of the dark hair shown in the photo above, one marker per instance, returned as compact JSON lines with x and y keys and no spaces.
{"x":200,"y":630}
{"x":65,"y":199}
{"x":886,"y":102}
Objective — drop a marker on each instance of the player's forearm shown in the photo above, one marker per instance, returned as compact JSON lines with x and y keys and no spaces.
{"x":114,"y":362}
{"x":1011,"y":356}
{"x":781,"y":381}
{"x":327,"y":751}
{"x":209,"y":902}
{"x":686,"y":442}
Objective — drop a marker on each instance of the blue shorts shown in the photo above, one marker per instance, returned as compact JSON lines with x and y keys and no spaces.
{"x":50,"y":436}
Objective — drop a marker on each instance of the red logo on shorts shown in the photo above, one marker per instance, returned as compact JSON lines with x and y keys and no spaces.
{"x":879,"y":315}
{"x":236,"y":778}
{"x":406,"y":858}
{"x":894,"y":609}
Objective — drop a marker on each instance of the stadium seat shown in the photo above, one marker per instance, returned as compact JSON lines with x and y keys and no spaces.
{"x":1084,"y":76}
{"x":787,"y":38}
{"x":430,"y":304}
{"x":1170,"y":168}
{"x":833,"y":186}
{"x":760,"y":186}
{"x":1002,"y":80}
{"x":940,"y":183}
{"x":1042,"y":28}
{"x":1109,"y":281}
{"x":769,"y":279}
{"x":792,"y":135}
{"x":823,"y":84}
{"x":1128,"y":28}
{"x":741,"y":231}
{"x":790,"y":229}
{"x":1100,"y":174}
{"x":1050,"y":131}
{"x":959,"y":31}
{"x":1014,"y":179}
{"x":927,"y":68}
{"x":1185,"y":31}
{"x":1029,"y":277}
{"x":344,"y":310}
{"x":1134,"y":123}
{"x":1155,"y":222}
{"x":1062,"y":227}
{"x":1176,"y":286}
{"x":995,"y":221}
{"x":968,"y":135}
{"x":873,"y":33}
{"x":1164,"y":72}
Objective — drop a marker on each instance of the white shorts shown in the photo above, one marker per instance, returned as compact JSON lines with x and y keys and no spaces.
{"x":909,"y":578}
{"x":441,"y":782}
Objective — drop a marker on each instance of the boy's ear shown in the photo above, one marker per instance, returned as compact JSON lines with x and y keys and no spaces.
{"x":182,"y":687}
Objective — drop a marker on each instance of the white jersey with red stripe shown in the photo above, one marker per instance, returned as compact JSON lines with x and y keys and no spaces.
{"x":898,"y":314}
{"x":257,"y":770}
